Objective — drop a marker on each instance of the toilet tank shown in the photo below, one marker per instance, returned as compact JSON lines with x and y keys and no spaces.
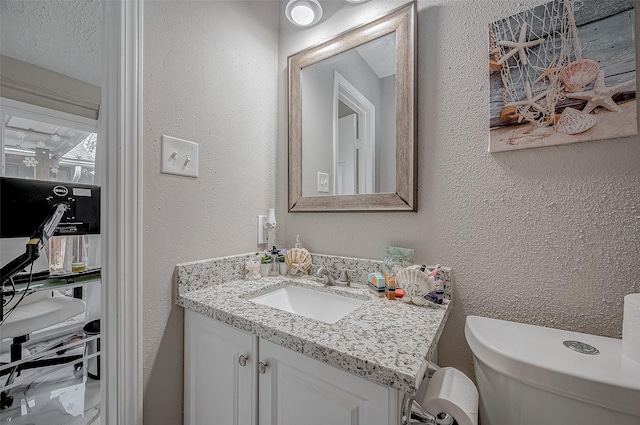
{"x":526,"y":375}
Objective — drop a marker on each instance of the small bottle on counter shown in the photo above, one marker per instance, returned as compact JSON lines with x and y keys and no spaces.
{"x":391,"y":288}
{"x":275,"y":268}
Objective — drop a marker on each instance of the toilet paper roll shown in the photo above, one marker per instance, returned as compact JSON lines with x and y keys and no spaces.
{"x":450,"y":391}
{"x":631,"y":327}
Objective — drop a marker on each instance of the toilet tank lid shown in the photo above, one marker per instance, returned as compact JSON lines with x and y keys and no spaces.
{"x":536,"y":356}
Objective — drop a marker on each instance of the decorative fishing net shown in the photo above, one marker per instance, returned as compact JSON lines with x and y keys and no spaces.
{"x":549,"y":39}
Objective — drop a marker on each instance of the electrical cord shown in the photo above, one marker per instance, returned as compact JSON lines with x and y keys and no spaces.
{"x":13,"y":293}
{"x":24,"y":294}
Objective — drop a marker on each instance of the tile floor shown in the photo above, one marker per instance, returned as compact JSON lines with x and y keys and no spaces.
{"x":64,"y":397}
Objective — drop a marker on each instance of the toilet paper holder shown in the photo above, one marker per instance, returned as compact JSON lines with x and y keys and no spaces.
{"x":445,"y":397}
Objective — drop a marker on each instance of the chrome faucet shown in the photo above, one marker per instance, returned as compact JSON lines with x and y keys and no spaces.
{"x":324,"y":275}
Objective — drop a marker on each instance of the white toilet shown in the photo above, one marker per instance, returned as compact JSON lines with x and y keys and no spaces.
{"x":531,"y":375}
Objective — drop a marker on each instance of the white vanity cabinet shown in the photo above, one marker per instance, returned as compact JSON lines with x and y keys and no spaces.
{"x":296,"y":389}
{"x":220,"y":383}
{"x":277,"y":386}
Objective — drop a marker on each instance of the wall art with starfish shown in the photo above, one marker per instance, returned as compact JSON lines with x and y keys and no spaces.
{"x":563,"y":72}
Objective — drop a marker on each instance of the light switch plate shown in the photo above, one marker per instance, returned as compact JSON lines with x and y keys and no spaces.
{"x":179,"y":157}
{"x":323,"y":182}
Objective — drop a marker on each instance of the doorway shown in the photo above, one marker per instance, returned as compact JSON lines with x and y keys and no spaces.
{"x":354,"y":139}
{"x":120,"y":177}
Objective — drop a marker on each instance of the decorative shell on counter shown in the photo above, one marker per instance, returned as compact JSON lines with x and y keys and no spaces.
{"x":298,"y":260}
{"x":573,"y":121}
{"x":414,"y":282}
{"x":577,"y":75}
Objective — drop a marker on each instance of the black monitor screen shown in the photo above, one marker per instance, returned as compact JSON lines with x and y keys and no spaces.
{"x":25,"y":205}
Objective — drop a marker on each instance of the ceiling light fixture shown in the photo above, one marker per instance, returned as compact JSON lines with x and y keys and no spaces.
{"x":303,"y":13}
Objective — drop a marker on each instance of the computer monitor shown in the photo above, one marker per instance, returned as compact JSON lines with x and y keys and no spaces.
{"x":25,"y":205}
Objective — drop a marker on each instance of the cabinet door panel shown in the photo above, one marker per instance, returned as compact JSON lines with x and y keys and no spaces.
{"x":298,"y":390}
{"x":218,"y":390}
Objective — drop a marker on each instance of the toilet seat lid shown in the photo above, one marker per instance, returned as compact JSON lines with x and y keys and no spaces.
{"x":537,"y":356}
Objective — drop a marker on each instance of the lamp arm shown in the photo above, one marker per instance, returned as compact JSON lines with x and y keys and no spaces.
{"x":38,"y":240}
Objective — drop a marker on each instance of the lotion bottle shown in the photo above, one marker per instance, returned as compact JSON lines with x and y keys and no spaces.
{"x":275,"y":267}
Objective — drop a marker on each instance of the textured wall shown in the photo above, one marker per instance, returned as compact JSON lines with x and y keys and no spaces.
{"x":548,"y":236}
{"x":211,"y":80}
{"x":64,"y":36}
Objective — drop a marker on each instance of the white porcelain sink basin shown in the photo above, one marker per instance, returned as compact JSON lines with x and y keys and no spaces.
{"x":323,"y":306}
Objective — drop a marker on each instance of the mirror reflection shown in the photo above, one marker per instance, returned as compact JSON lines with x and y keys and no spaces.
{"x":352,"y":124}
{"x":349,"y":121}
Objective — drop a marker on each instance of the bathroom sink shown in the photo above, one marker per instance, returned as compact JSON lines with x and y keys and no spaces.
{"x":323,"y":306}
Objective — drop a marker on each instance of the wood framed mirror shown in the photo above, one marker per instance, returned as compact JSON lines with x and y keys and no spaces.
{"x":352,"y":119}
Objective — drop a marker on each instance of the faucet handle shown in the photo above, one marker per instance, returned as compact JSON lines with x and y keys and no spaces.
{"x":344,"y":276}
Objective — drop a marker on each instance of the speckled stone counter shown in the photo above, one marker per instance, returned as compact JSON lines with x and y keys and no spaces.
{"x":213,"y":271}
{"x":387,"y":342}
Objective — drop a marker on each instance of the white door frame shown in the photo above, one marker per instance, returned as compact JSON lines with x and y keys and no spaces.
{"x":120,"y":127}
{"x":344,"y":91}
{"x":346,"y":124}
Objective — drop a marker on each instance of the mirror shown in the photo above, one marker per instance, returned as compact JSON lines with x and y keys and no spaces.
{"x":352,"y":126}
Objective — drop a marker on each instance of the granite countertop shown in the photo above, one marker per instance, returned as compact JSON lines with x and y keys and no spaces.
{"x":386,"y":342}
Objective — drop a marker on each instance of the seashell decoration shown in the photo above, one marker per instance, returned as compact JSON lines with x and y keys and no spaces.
{"x":573,"y":121}
{"x":577,"y":75}
{"x":414,"y":282}
{"x":418,"y":300}
{"x":509,"y":113}
{"x":298,"y":260}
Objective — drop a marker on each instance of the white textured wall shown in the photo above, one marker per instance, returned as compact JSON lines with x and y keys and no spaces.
{"x":210,"y":75}
{"x":64,"y":36}
{"x":549,"y":236}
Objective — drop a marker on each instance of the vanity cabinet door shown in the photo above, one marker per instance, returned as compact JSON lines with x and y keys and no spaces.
{"x":295,"y":389}
{"x":220,"y":385}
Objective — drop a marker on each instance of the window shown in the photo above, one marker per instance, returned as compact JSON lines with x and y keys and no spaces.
{"x":36,"y":146}
{"x":43,"y":144}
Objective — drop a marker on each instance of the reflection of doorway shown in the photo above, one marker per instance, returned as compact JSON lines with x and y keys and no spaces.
{"x":346,"y":178}
{"x":353,"y":151}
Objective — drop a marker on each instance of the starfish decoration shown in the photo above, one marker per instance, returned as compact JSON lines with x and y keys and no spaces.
{"x":601,"y":95}
{"x":519,"y":46}
{"x":548,"y":72}
{"x":531,"y":101}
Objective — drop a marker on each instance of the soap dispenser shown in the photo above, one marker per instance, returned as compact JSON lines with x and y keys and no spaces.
{"x":275,"y":267}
